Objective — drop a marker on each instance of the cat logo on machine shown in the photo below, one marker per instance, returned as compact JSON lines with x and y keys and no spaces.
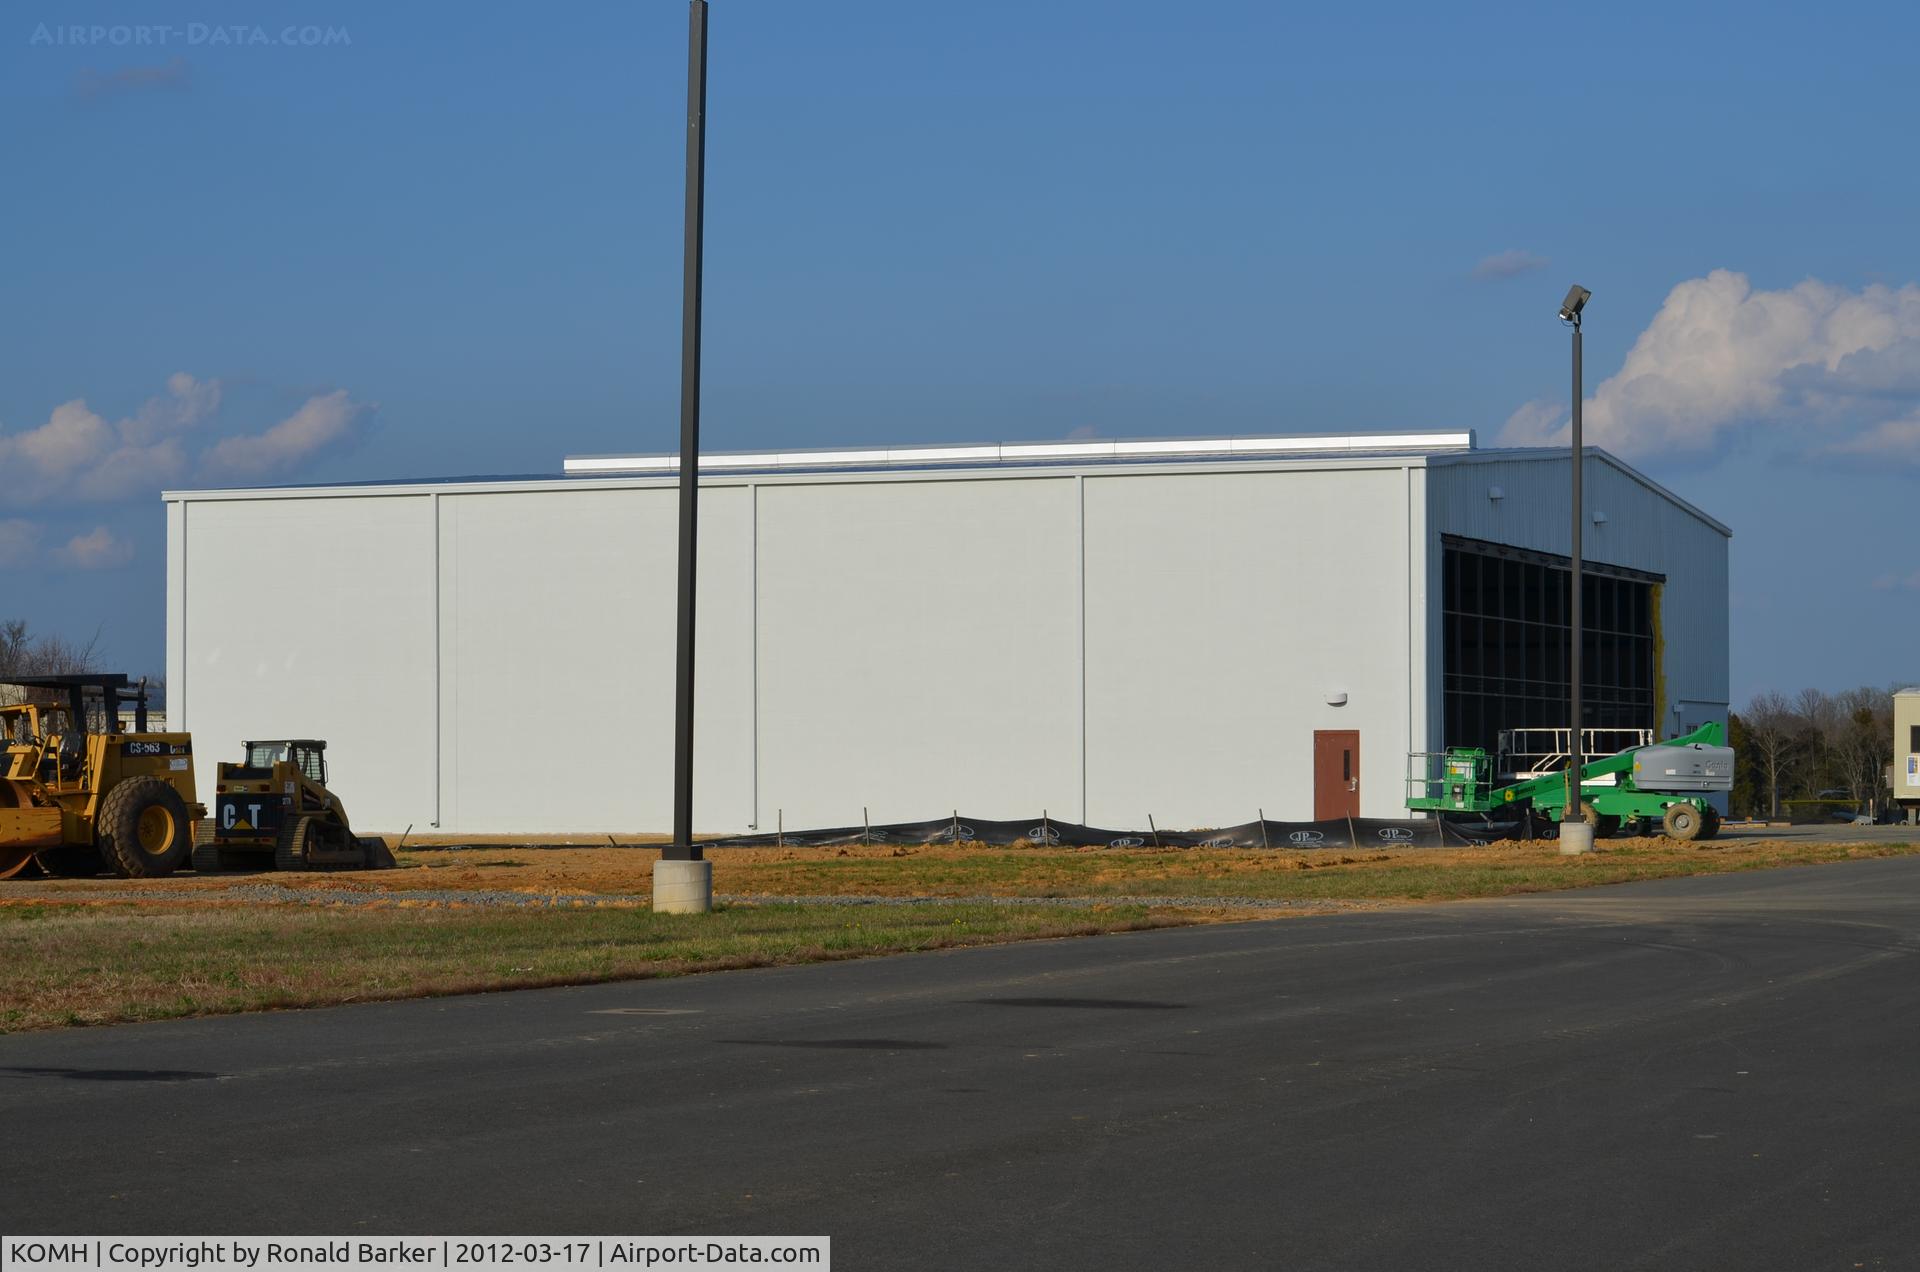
{"x":258,"y":814}
{"x":233,"y":818}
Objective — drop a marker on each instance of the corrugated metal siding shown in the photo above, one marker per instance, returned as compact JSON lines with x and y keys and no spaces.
{"x":1645,"y":529}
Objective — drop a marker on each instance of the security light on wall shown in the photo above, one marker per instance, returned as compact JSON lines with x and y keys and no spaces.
{"x":1576,"y":300}
{"x":1336,"y":698}
{"x":1599,"y":518}
{"x":1496,"y":494}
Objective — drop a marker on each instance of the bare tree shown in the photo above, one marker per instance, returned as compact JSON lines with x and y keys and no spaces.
{"x":1816,"y":720}
{"x":1773,"y":731}
{"x":1863,"y":744}
{"x":22,"y":654}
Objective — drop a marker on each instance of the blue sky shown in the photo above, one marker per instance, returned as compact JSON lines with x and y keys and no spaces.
{"x":449,"y":244}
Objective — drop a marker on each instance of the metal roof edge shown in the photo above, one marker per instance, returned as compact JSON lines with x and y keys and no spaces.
{"x":804,"y":476}
{"x":1068,"y":450}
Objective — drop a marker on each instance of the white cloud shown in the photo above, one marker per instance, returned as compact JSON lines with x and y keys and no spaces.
{"x":77,"y":453}
{"x":19,"y":542}
{"x":126,"y":471}
{"x":1895,"y":440}
{"x":96,"y":550}
{"x":321,"y":422}
{"x":187,"y":402}
{"x":1721,"y":357}
{"x":72,"y":438}
{"x":1509,"y":264}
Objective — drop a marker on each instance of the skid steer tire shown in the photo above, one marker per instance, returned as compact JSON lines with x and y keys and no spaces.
{"x":1683,"y":822}
{"x":206,"y":849}
{"x":290,"y":849}
{"x":71,"y":861}
{"x":144,"y":830}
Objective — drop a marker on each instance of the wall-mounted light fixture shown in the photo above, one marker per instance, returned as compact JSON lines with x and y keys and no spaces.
{"x":1336,"y":698}
{"x":1496,"y":494}
{"x":1599,"y":518}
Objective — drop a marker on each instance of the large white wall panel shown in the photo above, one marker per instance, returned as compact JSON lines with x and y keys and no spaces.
{"x":919,"y":648}
{"x":557,"y":660}
{"x":314,"y":618}
{"x":1221,"y":609}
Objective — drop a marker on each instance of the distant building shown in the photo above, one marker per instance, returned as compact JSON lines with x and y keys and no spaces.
{"x":1906,"y":751}
{"x":156,"y":720}
{"x":1192,"y":630}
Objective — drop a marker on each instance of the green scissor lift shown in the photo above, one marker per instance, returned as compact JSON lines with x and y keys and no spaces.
{"x":1668,"y":782}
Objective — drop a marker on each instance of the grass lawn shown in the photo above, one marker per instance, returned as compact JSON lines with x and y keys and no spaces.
{"x":103,"y":950}
{"x":65,"y":963}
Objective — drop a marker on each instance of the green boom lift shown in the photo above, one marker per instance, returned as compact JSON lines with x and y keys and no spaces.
{"x":1668,"y":782}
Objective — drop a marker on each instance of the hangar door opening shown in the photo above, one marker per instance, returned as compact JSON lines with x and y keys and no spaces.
{"x":1504,"y":627}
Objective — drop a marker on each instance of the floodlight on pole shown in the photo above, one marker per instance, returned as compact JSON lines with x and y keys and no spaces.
{"x":1576,"y":833}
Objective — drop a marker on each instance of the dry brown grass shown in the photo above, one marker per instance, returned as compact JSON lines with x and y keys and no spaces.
{"x":95,"y":962}
{"x":85,"y":951}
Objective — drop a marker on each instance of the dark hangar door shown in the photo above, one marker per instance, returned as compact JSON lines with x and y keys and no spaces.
{"x":1504,"y":628}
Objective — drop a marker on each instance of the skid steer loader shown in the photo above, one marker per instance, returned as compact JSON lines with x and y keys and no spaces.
{"x":274,"y":809}
{"x":78,"y":795}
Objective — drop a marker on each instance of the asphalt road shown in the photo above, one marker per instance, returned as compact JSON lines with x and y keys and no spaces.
{"x":1699,"y":1074}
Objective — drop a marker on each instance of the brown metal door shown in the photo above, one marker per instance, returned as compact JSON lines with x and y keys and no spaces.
{"x":1336,"y":773}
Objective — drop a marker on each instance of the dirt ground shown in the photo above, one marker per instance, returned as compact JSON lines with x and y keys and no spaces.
{"x":625,"y":871}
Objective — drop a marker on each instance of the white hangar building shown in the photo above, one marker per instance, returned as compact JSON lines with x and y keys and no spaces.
{"x":1194,"y":630}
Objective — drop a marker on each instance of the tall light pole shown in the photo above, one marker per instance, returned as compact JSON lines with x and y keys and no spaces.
{"x":1576,"y":834}
{"x":682,"y":879}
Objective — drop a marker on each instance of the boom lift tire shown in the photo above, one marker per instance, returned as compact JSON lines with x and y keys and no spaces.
{"x":144,"y":829}
{"x":1605,"y":825}
{"x":1683,"y":822}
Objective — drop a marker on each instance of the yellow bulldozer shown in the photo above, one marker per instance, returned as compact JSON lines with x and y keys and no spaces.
{"x":78,"y":793}
{"x":274,"y":808}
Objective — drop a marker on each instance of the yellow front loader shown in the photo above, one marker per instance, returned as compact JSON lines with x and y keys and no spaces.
{"x":78,"y":794}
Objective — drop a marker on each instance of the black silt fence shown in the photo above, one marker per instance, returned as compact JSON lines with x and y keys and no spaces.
{"x":1345,"y":832}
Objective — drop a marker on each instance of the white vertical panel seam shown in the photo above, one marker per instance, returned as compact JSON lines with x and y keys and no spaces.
{"x":439,"y":724}
{"x":1080,"y":494}
{"x":753,"y":659}
{"x":180,"y":722}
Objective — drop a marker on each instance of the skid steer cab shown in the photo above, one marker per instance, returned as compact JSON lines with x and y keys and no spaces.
{"x":273,"y":810}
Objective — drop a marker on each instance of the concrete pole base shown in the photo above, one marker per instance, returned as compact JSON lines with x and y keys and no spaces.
{"x":682,"y":887}
{"x":1576,"y":839}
